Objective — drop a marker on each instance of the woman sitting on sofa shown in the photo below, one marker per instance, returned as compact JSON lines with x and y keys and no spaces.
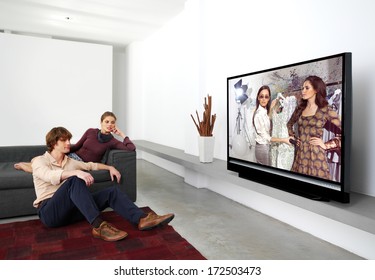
{"x":94,"y":143}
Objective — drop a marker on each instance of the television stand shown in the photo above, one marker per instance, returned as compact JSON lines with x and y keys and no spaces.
{"x":310,"y":195}
{"x":305,"y":194}
{"x":293,"y":190}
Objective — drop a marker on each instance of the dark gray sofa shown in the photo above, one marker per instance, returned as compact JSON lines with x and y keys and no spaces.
{"x":17,"y":189}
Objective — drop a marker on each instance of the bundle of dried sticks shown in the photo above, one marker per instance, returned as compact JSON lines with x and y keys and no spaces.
{"x":206,"y":126}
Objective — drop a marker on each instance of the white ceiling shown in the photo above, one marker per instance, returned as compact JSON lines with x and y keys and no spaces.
{"x":114,"y":22}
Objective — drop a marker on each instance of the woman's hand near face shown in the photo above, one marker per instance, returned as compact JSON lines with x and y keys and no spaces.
{"x":118,"y":132}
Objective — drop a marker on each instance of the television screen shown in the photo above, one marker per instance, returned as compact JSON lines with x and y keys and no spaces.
{"x":289,"y":127}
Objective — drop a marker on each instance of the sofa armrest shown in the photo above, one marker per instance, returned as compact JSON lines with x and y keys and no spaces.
{"x":126,"y":163}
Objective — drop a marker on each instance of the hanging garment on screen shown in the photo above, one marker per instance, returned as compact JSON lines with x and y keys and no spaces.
{"x":282,"y":155}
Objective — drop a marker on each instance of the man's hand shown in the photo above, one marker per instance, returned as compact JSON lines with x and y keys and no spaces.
{"x":85,"y":176}
{"x":114,"y":173}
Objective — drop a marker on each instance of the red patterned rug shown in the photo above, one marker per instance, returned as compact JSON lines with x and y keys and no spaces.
{"x":32,"y":240}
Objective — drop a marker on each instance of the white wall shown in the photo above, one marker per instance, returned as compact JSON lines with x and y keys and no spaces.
{"x":171,"y":74}
{"x":212,"y":40}
{"x":47,"y":83}
{"x":129,"y":108}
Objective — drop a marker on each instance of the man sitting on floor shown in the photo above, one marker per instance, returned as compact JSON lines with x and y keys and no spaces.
{"x":61,"y":187}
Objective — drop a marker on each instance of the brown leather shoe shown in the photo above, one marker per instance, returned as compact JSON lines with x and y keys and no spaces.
{"x":108,"y":232}
{"x":152,"y":220}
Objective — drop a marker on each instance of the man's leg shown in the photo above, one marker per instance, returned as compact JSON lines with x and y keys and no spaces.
{"x":117,"y":200}
{"x":71,"y":202}
{"x":121,"y":204}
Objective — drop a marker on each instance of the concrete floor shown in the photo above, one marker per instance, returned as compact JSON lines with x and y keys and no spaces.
{"x":222,"y":229}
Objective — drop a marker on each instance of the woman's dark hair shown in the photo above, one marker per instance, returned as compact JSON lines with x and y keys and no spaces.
{"x":258,"y":103}
{"x":321,"y":91}
{"x":106,"y":114}
{"x":56,"y":134}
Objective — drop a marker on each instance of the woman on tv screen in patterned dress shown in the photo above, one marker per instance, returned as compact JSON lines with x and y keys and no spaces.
{"x":312,"y":117}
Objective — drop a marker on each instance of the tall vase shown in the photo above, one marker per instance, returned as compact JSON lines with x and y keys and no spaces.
{"x":206,"y":148}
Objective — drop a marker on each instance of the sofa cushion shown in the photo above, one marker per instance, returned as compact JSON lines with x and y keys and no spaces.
{"x":11,"y":178}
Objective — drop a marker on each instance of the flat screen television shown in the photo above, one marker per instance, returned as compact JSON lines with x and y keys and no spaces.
{"x":301,"y":144}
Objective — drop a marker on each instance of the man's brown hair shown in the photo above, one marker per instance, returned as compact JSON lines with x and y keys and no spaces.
{"x":56,"y":134}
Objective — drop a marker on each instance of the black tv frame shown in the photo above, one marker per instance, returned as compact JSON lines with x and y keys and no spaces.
{"x":302,"y":185}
